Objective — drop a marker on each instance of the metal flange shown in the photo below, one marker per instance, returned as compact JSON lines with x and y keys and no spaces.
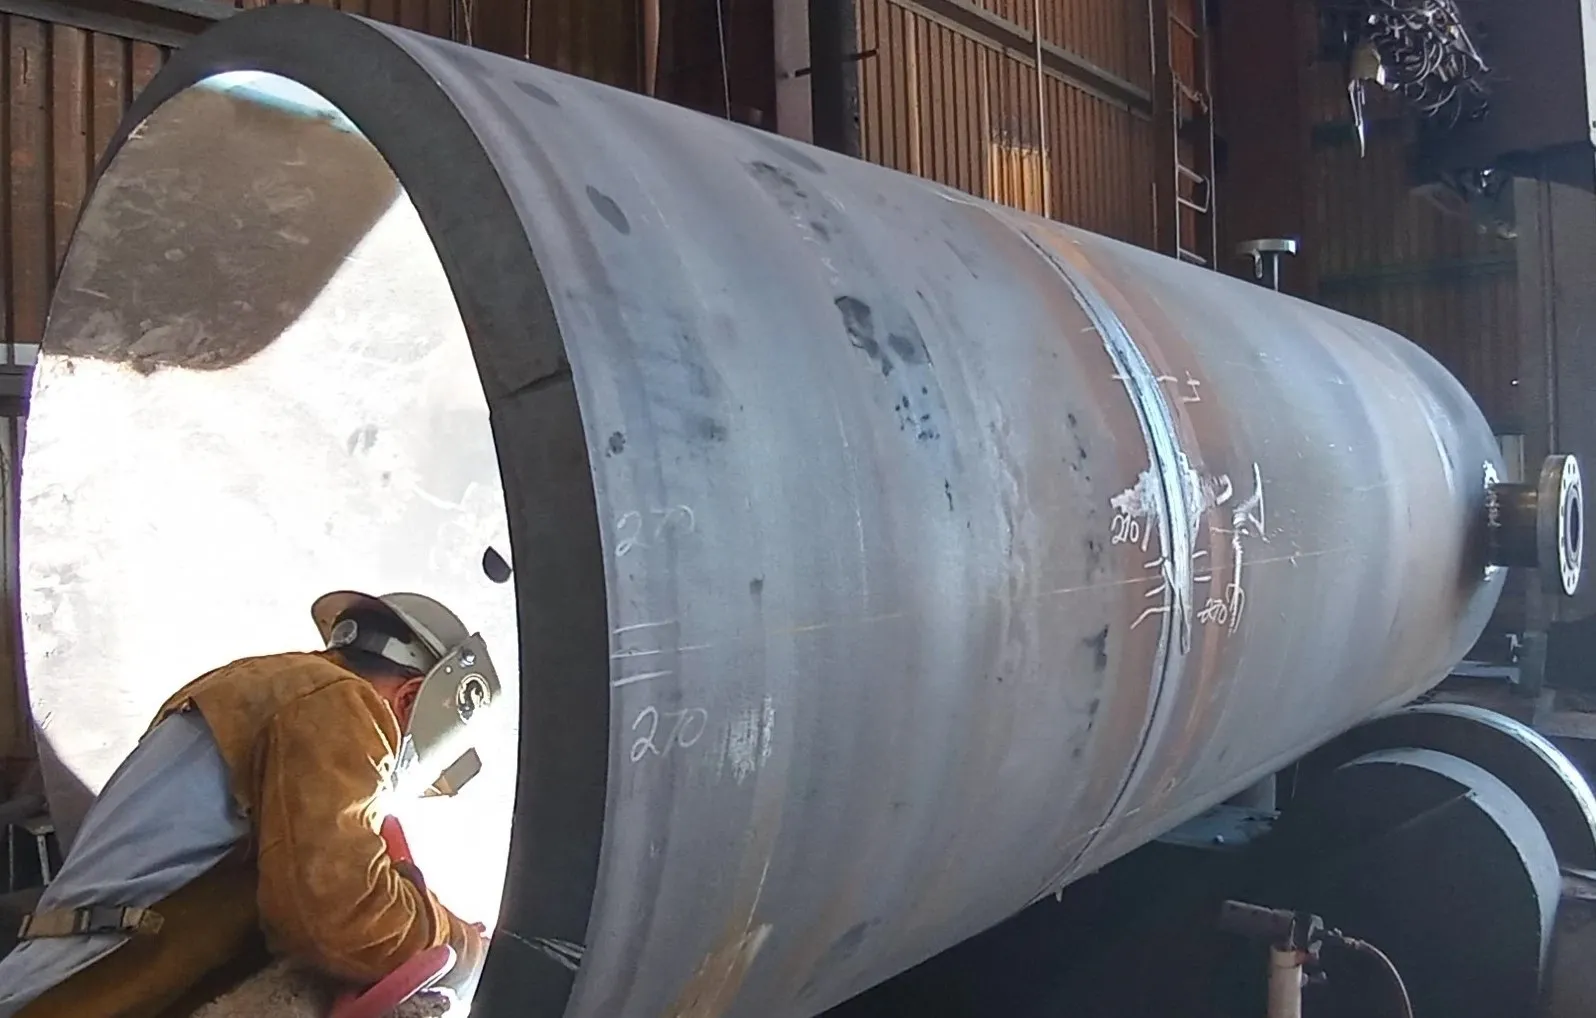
{"x":1541,"y":525}
{"x":1560,"y":529}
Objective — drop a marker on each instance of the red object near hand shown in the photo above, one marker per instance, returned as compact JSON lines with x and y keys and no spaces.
{"x":413,"y":976}
{"x":393,"y":835}
{"x":398,"y":986}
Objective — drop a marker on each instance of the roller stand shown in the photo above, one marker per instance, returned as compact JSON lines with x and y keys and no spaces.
{"x":1286,"y":976}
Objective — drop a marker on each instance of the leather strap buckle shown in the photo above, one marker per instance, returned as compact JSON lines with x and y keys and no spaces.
{"x":85,"y":922}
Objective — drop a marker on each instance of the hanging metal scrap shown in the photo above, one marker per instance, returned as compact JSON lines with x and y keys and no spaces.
{"x":1419,"y":49}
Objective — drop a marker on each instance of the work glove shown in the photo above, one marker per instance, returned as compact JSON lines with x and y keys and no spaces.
{"x":470,"y":943}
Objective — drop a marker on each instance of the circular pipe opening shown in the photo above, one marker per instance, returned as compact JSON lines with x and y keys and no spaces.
{"x":256,"y":386}
{"x":1571,"y":527}
{"x":560,"y":614}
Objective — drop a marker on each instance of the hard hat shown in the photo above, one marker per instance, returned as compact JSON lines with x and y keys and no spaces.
{"x":459,"y":690}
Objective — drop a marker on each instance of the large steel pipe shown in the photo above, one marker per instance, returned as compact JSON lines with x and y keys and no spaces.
{"x":884,"y":560}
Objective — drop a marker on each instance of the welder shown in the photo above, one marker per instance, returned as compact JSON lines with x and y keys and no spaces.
{"x":245,"y":824}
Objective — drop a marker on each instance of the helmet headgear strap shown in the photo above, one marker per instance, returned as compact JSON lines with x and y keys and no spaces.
{"x":350,"y":634}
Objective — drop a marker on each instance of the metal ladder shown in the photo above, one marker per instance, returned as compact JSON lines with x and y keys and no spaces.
{"x":1184,"y":191}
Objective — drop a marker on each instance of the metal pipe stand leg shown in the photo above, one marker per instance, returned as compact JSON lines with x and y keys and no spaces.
{"x":1285,"y":982}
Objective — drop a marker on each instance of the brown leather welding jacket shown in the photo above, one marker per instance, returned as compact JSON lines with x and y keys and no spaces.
{"x":310,"y":746}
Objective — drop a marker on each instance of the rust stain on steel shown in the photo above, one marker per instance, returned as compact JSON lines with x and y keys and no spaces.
{"x":714,"y":986}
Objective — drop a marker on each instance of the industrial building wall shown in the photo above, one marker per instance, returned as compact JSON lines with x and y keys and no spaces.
{"x":1383,"y":252}
{"x":950,"y":91}
{"x":1371,"y":245}
{"x":66,"y":89}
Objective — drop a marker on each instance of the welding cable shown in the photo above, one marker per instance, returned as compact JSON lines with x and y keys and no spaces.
{"x":1395,"y":977}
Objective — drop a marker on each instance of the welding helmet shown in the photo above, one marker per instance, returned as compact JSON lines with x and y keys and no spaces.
{"x":459,"y":688}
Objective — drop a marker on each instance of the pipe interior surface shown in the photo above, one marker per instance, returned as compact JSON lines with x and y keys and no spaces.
{"x":884,"y":560}
{"x":255,"y":387}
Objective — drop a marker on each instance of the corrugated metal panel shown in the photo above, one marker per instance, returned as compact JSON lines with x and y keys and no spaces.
{"x":1101,"y":158}
{"x":596,"y":39}
{"x":431,"y":16}
{"x":442,"y":18}
{"x":1112,"y":34}
{"x":939,"y":102}
{"x":65,"y":91}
